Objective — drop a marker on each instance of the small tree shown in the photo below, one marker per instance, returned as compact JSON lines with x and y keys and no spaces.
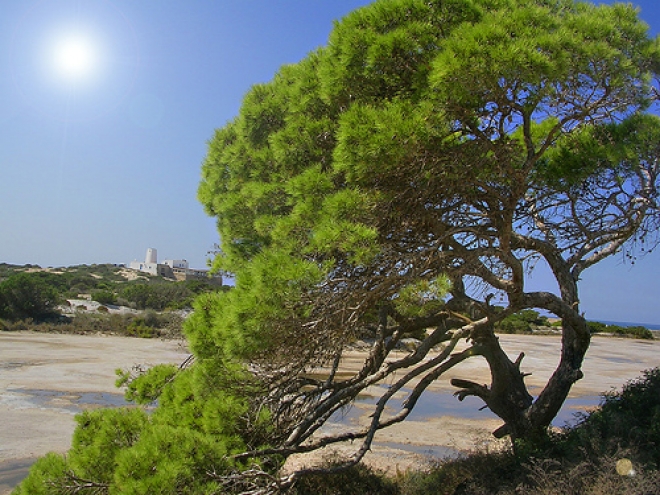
{"x":104,"y":296}
{"x":521,"y":322}
{"x":27,"y":295}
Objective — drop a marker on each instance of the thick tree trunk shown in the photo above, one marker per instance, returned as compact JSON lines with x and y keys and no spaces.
{"x":549,"y":402}
{"x":507,"y":395}
{"x":575,"y":342}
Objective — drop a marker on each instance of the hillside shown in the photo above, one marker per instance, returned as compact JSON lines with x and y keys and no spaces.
{"x":102,"y":298}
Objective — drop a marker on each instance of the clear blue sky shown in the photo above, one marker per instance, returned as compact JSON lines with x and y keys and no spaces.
{"x":96,"y":169}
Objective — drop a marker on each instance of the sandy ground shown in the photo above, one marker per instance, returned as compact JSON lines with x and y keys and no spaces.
{"x":45,"y":379}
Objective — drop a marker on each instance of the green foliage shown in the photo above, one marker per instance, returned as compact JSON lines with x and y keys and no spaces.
{"x":521,"y":322}
{"x":629,"y":419}
{"x":245,"y":320}
{"x":636,"y":331}
{"x":146,"y":387}
{"x":356,"y":155}
{"x":162,"y":295}
{"x":357,"y":480}
{"x":422,"y":298}
{"x":100,"y":437}
{"x":137,"y":328}
{"x":105,"y":283}
{"x":170,"y":460}
{"x":51,"y":468}
{"x":582,"y":154}
{"x":27,"y":295}
{"x":476,"y":473}
{"x":143,"y":296}
{"x":164,"y":325}
{"x":104,"y":297}
{"x":73,"y":280}
{"x":180,"y":448}
{"x":186,"y":402}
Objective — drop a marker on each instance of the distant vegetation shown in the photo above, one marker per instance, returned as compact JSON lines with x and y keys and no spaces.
{"x":528,"y":321}
{"x":30,"y":298}
{"x":636,"y":331}
{"x":29,"y":295}
{"x":523,"y":322}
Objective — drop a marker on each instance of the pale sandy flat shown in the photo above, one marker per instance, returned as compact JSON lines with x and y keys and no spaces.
{"x":45,"y":379}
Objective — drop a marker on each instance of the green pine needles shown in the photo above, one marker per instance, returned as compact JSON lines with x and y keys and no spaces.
{"x":392,"y":184}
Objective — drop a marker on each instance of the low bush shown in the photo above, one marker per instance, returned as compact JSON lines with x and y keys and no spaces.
{"x":522,"y":322}
{"x":638,"y":331}
{"x":166,"y":325}
{"x":28,"y":295}
{"x":357,"y":480}
{"x":104,"y":297}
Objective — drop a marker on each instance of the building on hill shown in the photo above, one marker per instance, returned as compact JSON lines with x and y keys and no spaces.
{"x":172,"y":269}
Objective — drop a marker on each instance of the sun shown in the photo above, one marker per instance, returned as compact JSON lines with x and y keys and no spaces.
{"x":74,"y":57}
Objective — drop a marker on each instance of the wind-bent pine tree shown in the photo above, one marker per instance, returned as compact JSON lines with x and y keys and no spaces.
{"x":430,"y":146}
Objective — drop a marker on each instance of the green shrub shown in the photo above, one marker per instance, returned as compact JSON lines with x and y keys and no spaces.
{"x":357,"y":480}
{"x":20,"y":325}
{"x":182,"y":448}
{"x":629,"y":419}
{"x":166,"y":325}
{"x":168,"y":460}
{"x":521,"y":322}
{"x":100,"y":436}
{"x":482,"y":473}
{"x":158,"y":296}
{"x":596,"y":327}
{"x":145,"y":387}
{"x":104,"y":297}
{"x":511,"y":324}
{"x":137,"y":328}
{"x":638,"y":331}
{"x":27,"y":295}
{"x":45,"y":472}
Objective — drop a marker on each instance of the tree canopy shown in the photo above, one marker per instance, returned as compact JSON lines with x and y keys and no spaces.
{"x":450,"y":143}
{"x":391,"y":184}
{"x":28,"y":295}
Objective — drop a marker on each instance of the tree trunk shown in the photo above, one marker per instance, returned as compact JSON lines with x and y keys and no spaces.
{"x":574,"y":347}
{"x":507,"y":395}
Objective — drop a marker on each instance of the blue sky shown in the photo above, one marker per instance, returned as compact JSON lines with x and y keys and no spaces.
{"x":98,"y":169}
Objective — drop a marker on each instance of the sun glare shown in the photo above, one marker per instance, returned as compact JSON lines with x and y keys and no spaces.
{"x":74,"y":58}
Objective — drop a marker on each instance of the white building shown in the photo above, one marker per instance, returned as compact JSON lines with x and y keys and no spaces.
{"x":174,"y":269}
{"x":149,"y":265}
{"x":182,"y":264}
